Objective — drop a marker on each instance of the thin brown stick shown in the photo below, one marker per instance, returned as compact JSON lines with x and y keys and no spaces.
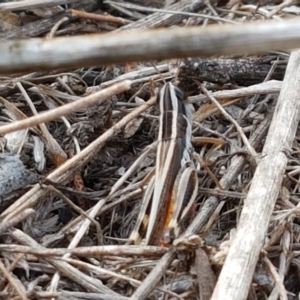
{"x":108,"y":250}
{"x":160,"y":19}
{"x":78,"y":210}
{"x":231,"y":119}
{"x":89,"y":283}
{"x":269,"y":87}
{"x":170,"y":11}
{"x":13,"y":282}
{"x":96,"y":269}
{"x":16,"y":219}
{"x":278,"y":280}
{"x":96,"y":98}
{"x":152,"y":279}
{"x":97,"y":17}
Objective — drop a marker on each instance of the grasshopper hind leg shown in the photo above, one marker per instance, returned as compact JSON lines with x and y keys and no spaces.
{"x":141,"y":224}
{"x":185,"y":189}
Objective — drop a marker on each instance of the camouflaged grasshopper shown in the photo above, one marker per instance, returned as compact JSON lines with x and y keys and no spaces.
{"x":171,"y":192}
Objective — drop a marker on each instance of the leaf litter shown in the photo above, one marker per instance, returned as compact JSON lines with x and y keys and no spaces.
{"x":56,"y":201}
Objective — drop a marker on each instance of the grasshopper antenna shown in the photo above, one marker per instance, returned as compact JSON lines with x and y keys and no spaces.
{"x":159,"y":73}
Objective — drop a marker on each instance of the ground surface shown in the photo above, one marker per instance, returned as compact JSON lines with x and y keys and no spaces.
{"x":66,"y":218}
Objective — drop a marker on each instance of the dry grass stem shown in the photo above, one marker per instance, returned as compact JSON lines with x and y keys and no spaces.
{"x":13,"y":221}
{"x":128,"y":250}
{"x":237,"y":126}
{"x":278,"y":280}
{"x":93,"y":99}
{"x":13,"y":282}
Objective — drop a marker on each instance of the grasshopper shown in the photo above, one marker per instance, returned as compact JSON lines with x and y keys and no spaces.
{"x":172,"y":190}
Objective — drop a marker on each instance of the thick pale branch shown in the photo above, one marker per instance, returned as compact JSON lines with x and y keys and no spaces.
{"x":237,"y":273}
{"x":91,"y":50}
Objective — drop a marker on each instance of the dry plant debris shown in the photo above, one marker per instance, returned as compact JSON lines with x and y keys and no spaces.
{"x":78,"y":139}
